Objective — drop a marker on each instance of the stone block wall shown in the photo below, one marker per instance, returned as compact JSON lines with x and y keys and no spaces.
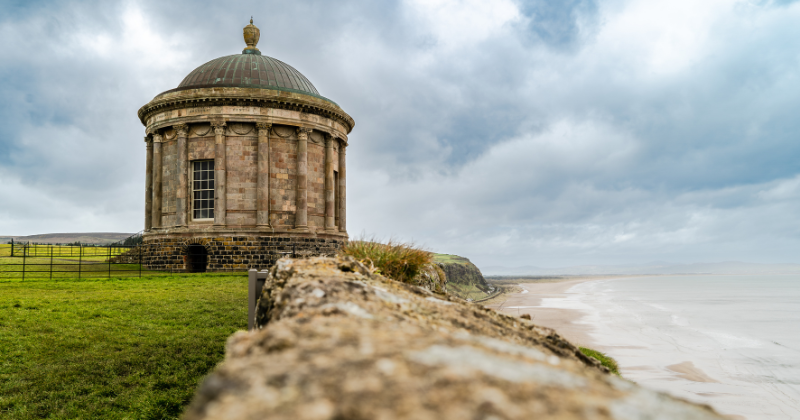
{"x":283,"y":180}
{"x":169,"y":182}
{"x":242,"y":174}
{"x":241,"y":157}
{"x":233,"y":253}
{"x":316,"y":182}
{"x":201,"y":148}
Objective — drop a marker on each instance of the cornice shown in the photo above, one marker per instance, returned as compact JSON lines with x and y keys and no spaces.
{"x":264,"y":98}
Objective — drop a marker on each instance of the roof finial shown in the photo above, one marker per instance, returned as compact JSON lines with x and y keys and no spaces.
{"x":251,"y":35}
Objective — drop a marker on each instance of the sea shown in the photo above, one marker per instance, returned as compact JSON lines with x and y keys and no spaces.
{"x":739,"y":334}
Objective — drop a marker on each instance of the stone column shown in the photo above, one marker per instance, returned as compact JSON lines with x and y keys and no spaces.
{"x":182,"y":190}
{"x":342,"y":188}
{"x":301,"y":211}
{"x":157,"y":173}
{"x":220,"y":174}
{"x":148,"y":185}
{"x":329,"y":195}
{"x":262,"y":186}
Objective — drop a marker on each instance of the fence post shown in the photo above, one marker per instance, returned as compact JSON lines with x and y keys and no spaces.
{"x":23,"y":262}
{"x":109,"y":262}
{"x":80,"y":259}
{"x":12,"y":247}
{"x":51,"y":262}
{"x":255,"y":282}
{"x":141,"y":251}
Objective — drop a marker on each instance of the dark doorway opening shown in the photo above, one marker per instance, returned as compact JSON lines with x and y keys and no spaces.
{"x":196,"y":259}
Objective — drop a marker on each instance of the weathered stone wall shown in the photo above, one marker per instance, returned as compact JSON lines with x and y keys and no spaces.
{"x":316,"y":181}
{"x":336,"y":341}
{"x":170,"y":182}
{"x":232,"y":253}
{"x":283,"y":180}
{"x":242,"y":174}
{"x":241,"y":154}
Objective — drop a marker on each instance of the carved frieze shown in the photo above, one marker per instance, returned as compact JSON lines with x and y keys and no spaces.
{"x":283,"y":131}
{"x":241,"y":129}
{"x":200,"y":130}
{"x":316,"y":138}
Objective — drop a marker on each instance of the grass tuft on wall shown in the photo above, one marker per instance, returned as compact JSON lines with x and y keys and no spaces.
{"x":604,"y":359}
{"x":395,"y":260}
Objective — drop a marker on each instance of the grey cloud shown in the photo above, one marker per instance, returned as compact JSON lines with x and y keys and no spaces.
{"x":539,"y":144}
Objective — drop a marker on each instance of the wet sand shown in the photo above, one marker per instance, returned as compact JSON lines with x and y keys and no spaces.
{"x":561,"y":320}
{"x":687,"y":370}
{"x":567,"y":323}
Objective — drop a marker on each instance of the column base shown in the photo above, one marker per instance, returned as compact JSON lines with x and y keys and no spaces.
{"x":300,"y":229}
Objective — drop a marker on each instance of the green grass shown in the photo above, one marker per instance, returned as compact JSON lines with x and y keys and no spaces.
{"x":113,"y":349}
{"x":395,"y":260}
{"x":605,"y":360}
{"x":466,"y":291}
{"x":450,"y":259}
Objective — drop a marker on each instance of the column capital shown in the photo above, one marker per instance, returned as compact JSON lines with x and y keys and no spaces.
{"x":263,"y":129}
{"x":303,"y":132}
{"x":181,"y":129}
{"x":158,"y":138}
{"x":219,"y":127}
{"x":330,"y":137}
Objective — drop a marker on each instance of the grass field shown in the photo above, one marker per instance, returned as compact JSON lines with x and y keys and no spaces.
{"x":113,"y":349}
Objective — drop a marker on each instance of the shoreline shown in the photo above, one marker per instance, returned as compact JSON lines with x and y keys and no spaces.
{"x":663,"y":352}
{"x":563,"y":320}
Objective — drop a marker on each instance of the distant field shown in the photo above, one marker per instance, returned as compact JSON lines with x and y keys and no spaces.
{"x":113,"y":349}
{"x":100,"y":238}
{"x":449,"y":259}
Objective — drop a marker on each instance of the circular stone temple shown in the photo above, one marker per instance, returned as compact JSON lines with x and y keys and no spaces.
{"x":245,"y":163}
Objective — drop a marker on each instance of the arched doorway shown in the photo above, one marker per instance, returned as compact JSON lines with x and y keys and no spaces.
{"x":196,"y":259}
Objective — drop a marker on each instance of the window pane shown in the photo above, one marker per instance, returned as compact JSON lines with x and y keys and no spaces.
{"x":203,"y":189}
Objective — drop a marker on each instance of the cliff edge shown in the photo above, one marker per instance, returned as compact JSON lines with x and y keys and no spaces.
{"x":464,"y":279}
{"x":336,"y":341}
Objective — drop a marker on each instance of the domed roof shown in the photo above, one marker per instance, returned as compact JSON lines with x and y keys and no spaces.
{"x":248,"y":70}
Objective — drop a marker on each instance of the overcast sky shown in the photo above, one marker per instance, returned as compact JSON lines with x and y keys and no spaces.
{"x":546,"y":133}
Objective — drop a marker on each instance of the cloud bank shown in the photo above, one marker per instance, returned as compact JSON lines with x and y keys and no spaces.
{"x":511,"y":132}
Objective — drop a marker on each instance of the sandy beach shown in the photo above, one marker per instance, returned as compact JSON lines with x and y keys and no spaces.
{"x":660,"y":343}
{"x":562,"y":320}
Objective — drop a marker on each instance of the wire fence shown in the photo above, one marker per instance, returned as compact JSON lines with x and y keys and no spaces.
{"x":27,"y":261}
{"x":35,"y":261}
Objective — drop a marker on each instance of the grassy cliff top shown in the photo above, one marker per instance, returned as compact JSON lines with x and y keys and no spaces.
{"x":450,"y":259}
